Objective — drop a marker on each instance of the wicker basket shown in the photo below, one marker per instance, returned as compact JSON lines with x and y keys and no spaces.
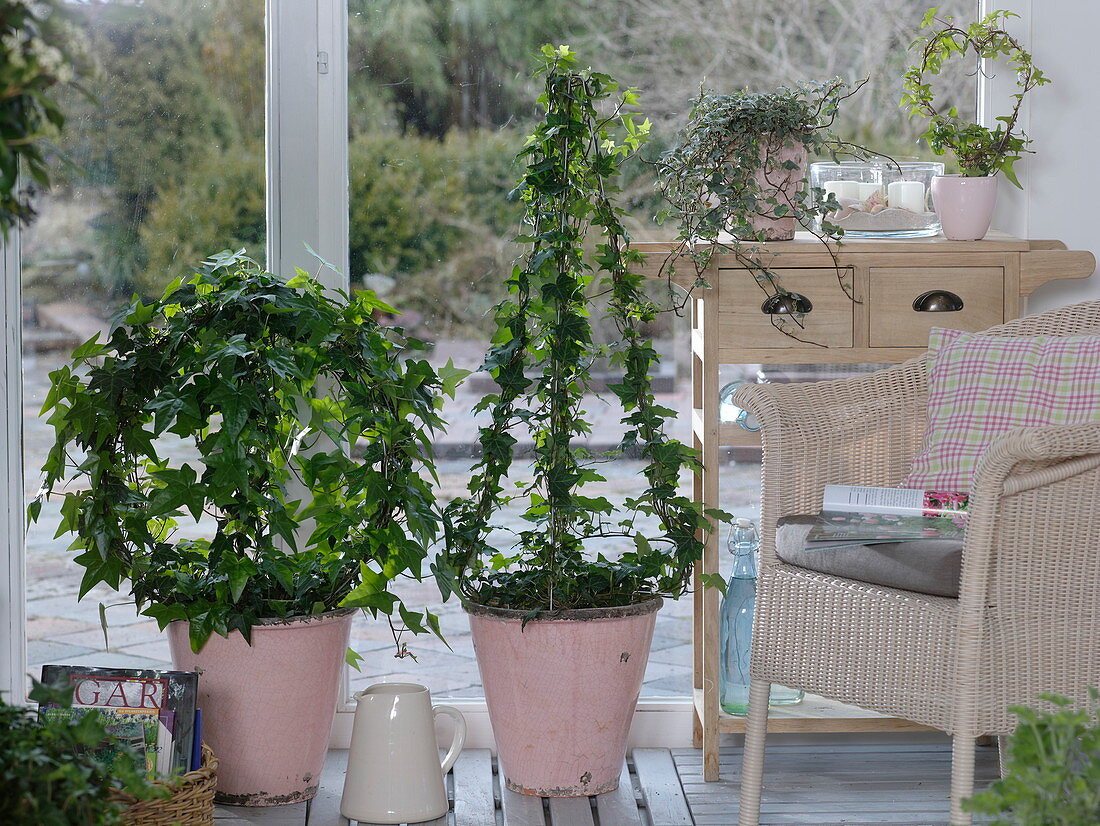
{"x":191,"y":802}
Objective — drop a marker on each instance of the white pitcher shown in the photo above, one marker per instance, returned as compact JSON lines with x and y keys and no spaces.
{"x":394,"y":774}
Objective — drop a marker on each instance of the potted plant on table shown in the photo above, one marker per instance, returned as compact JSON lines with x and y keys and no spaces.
{"x":736,"y":178}
{"x":965,"y":202}
{"x":274,"y":385}
{"x":562,"y":634}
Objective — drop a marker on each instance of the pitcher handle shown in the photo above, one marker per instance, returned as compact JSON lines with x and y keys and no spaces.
{"x":460,"y":734}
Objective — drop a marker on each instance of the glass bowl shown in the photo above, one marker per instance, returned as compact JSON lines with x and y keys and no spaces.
{"x":878,"y":199}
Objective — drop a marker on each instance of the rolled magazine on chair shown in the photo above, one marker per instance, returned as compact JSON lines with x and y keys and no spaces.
{"x":894,"y":501}
{"x":852,"y":514}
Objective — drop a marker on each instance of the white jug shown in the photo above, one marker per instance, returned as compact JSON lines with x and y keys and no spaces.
{"x":394,"y":774}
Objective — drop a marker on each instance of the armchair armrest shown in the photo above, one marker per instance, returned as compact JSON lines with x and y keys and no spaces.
{"x":1033,"y":536}
{"x":864,"y":430}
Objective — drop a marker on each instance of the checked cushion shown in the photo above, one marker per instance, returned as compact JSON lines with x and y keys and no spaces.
{"x":980,"y":386}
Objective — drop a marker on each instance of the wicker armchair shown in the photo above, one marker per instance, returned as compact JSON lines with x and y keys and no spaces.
{"x":1027,"y":619}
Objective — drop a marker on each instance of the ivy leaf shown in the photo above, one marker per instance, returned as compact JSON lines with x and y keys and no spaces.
{"x":181,"y":489}
{"x":353,"y":658}
{"x":432,"y":621}
{"x":451,"y":377}
{"x":140,"y":313}
{"x":89,"y":349}
{"x":713,"y":581}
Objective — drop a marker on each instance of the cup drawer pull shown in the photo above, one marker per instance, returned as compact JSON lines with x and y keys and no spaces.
{"x":937,"y":301}
{"x":786,"y":304}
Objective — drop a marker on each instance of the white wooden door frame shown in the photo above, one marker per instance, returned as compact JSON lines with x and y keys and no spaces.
{"x":307,"y":137}
{"x":995,"y":86}
{"x":13,"y":613}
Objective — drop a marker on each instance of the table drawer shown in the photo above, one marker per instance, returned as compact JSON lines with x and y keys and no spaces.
{"x":742,"y":323}
{"x":892,"y":291}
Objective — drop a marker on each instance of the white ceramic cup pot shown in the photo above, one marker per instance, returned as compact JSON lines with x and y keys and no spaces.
{"x":394,"y":772}
{"x":965,"y":205}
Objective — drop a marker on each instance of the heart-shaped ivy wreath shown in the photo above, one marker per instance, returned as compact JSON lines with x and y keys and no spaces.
{"x":980,"y":151}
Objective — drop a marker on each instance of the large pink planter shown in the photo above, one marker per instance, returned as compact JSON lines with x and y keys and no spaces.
{"x":965,"y":205}
{"x":268,"y":708}
{"x":561,"y":693}
{"x":776,"y":180}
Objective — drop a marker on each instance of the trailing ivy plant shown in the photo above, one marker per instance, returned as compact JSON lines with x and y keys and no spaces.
{"x":50,"y":771}
{"x":40,"y":51}
{"x":1052,"y":774}
{"x":540,"y":359}
{"x":727,"y":175}
{"x":980,"y":151}
{"x":274,"y":384}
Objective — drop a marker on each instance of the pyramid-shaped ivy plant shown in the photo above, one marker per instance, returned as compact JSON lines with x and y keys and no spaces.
{"x":576,"y":248}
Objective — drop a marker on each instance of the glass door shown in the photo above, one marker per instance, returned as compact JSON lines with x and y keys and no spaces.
{"x":167,"y":168}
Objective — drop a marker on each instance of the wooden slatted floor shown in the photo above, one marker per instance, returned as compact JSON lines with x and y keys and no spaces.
{"x":901,"y":784}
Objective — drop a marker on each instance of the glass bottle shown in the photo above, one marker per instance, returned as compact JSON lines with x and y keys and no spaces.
{"x":736,"y":625}
{"x":729,"y":412}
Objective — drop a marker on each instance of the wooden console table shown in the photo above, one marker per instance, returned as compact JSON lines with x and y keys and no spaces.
{"x":991,"y":280}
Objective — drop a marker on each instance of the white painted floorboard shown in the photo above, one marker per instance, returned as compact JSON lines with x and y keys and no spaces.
{"x":827,"y":784}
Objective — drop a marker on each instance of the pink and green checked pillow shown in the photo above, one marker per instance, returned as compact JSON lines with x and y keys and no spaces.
{"x":980,"y":386}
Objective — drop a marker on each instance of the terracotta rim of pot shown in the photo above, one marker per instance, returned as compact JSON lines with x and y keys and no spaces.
{"x":335,"y":613}
{"x":637,"y":609}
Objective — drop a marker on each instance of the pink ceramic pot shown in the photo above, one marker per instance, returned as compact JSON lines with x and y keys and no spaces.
{"x":561,"y":693}
{"x":268,"y":708}
{"x":775,"y":179}
{"x":965,"y":205}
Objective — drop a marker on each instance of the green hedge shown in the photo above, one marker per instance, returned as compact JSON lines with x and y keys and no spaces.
{"x":219,"y":206}
{"x":432,"y":215}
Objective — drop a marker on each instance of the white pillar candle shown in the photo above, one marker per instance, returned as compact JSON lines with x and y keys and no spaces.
{"x":866,"y":191}
{"x":907,"y":195}
{"x":842,"y":189}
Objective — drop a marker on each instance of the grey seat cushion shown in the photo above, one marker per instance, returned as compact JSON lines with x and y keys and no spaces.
{"x":927,"y":566}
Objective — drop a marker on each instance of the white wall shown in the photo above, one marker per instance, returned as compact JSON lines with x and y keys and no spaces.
{"x":1061,"y":196}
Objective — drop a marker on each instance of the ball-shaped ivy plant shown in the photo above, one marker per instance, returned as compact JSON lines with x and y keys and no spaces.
{"x":310,"y":425}
{"x":980,"y":150}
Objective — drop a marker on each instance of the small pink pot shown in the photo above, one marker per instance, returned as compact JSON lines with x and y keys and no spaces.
{"x":561,"y":693}
{"x":268,"y":708}
{"x":782,"y":183}
{"x":964,"y":205}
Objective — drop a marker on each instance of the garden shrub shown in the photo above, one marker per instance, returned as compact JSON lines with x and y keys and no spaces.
{"x":220,"y":205}
{"x":434,"y":216}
